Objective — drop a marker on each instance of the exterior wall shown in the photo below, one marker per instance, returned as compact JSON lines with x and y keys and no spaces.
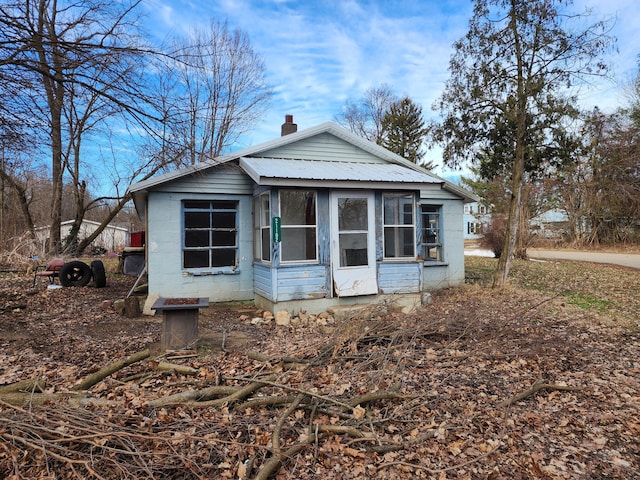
{"x":226,"y":178}
{"x":167,"y":278}
{"x":451,"y":271}
{"x":399,"y":277}
{"x":263,"y":280}
{"x":323,"y":147}
{"x":301,"y":282}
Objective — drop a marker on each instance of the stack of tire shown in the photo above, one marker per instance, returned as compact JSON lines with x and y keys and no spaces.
{"x":79,"y":274}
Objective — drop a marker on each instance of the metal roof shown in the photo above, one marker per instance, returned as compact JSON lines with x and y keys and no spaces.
{"x":271,"y":171}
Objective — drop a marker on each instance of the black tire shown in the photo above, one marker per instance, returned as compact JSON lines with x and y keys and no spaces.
{"x":75,"y":274}
{"x":99,"y":275}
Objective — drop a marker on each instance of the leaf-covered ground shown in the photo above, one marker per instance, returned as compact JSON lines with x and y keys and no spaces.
{"x":427,"y":395}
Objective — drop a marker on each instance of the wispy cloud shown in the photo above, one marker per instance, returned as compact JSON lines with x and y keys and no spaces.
{"x":320,"y":53}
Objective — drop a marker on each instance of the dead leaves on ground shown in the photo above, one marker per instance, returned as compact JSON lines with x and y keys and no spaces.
{"x":453,"y":365}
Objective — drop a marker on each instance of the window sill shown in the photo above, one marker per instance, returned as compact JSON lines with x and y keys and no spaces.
{"x":400,"y":260}
{"x":297,"y":263}
{"x":435,"y":264}
{"x":207,"y":272}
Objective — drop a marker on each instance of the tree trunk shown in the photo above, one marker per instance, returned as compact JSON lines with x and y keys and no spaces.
{"x":52,"y":73}
{"x":85,"y":242}
{"x":511,"y":235}
{"x":56,"y":178}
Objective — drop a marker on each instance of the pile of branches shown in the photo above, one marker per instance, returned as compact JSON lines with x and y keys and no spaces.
{"x":242,"y":416}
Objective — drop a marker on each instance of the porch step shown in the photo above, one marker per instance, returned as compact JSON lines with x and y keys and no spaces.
{"x":346,"y":312}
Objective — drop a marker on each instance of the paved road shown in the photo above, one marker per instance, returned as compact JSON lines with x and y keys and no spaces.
{"x":625,"y":259}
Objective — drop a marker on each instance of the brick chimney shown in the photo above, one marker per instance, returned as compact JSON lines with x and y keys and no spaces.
{"x":288,"y":126}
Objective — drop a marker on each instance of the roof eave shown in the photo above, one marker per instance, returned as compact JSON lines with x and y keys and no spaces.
{"x":344,"y":184}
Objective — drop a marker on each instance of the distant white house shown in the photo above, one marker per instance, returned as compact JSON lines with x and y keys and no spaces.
{"x":111,"y":238}
{"x":475,"y":217}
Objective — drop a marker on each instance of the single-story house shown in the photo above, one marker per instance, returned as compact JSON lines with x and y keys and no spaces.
{"x":111,"y":238}
{"x":314,"y":218}
{"x":552,"y":224}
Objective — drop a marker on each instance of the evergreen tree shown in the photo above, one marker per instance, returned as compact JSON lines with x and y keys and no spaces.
{"x":404,"y":130}
{"x":508,"y":97}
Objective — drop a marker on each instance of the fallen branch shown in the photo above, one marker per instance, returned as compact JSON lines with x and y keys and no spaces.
{"x":271,"y":400}
{"x":537,"y":386}
{"x":267,"y":381}
{"x":90,"y":380}
{"x":21,"y":399}
{"x":273,"y":464}
{"x":190,"y":396}
{"x":35,"y":384}
{"x":285,"y":362}
{"x":174,"y":367}
{"x":275,"y":438}
{"x":239,"y":394}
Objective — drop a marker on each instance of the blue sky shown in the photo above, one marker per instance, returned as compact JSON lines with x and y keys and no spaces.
{"x":319,"y":53}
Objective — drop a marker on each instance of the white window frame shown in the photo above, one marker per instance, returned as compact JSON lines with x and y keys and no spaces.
{"x":262,"y":227}
{"x":287,"y":227}
{"x":398,"y":224}
{"x":428,"y":230}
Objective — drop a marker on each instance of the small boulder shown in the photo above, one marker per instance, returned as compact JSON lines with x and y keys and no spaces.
{"x":283,"y":318}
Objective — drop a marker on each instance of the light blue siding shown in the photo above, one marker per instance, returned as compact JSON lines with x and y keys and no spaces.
{"x":223,"y":179}
{"x":451,"y":271}
{"x":436,"y":192}
{"x":396,"y":277}
{"x":263,"y":280}
{"x":323,"y":147}
{"x":301,"y":282}
{"x":167,"y":278}
{"x":291,"y":282}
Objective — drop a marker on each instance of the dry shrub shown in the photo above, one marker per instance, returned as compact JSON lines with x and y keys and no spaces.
{"x":494,"y":234}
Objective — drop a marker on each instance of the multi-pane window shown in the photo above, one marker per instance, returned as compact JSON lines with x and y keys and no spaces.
{"x":431,"y":233}
{"x":298,"y":223}
{"x":474,"y":228}
{"x":262,"y":227}
{"x":399,"y":226}
{"x":210,"y":233}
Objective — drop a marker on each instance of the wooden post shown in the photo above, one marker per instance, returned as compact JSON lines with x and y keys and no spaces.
{"x":179,"y":321}
{"x":179,"y":329}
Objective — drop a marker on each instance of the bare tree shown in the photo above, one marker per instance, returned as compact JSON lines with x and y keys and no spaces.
{"x":600,"y":190}
{"x":58,"y":49}
{"x":77,"y":70}
{"x":216,"y":90}
{"x":365,"y":116}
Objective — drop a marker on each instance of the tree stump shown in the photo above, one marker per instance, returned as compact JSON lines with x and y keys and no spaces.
{"x":131,"y":307}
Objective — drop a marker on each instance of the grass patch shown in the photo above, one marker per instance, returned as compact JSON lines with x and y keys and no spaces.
{"x":588,"y":302}
{"x":609,"y":290}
